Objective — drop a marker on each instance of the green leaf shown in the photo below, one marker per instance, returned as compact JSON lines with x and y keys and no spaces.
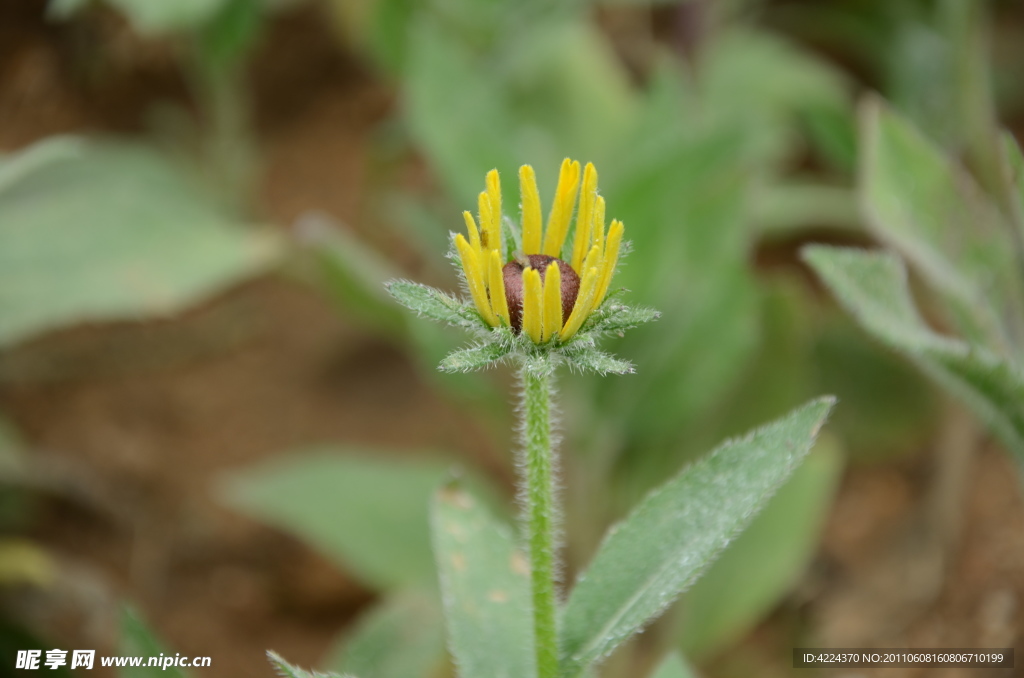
{"x":355,"y":274}
{"x":671,"y":538}
{"x":889,"y":406}
{"x":586,"y":358}
{"x":286,"y":670}
{"x":137,"y":640}
{"x":400,"y":637}
{"x":432,"y":303}
{"x":762,"y":81}
{"x":873,"y":287}
{"x":674,"y":666}
{"x":616,"y":318}
{"x":110,"y":231}
{"x":928,"y":208}
{"x":464,"y":136}
{"x":779,"y":376}
{"x":485,"y":586}
{"x":683,"y":204}
{"x":228,"y":35}
{"x":734,"y":595}
{"x":474,"y":358}
{"x":833,"y":132}
{"x":578,"y":90}
{"x":783,"y":207}
{"x":334,"y":499}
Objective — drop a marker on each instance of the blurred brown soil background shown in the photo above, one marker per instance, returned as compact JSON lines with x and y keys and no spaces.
{"x":136,"y":422}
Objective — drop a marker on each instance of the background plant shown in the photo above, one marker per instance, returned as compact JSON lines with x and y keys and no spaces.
{"x":755,"y":140}
{"x":701,"y":163}
{"x":500,"y":604}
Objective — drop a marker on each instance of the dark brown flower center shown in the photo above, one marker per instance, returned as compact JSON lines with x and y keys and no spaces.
{"x":513,"y":275}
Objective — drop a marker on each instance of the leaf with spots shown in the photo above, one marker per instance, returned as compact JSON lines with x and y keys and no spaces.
{"x":486,"y":589}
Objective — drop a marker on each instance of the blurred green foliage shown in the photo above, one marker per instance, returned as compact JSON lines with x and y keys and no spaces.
{"x":967,"y":250}
{"x":337,"y":503}
{"x":748,"y":139}
{"x":405,"y":619}
{"x":700,"y":159}
{"x":97,"y":230}
{"x":138,"y":640}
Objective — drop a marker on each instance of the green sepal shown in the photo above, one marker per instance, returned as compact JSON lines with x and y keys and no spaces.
{"x":613,"y":318}
{"x":475,"y":357}
{"x":585,"y":357}
{"x":499,"y":343}
{"x":432,"y":303}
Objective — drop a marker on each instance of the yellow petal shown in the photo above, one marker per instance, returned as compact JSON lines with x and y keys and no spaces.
{"x":475,"y":279}
{"x":497,"y":286}
{"x":531,"y":210}
{"x":494,"y":195}
{"x":486,"y":217}
{"x":584,"y":303}
{"x":585,"y":218}
{"x":532,"y":309}
{"x":474,"y":235}
{"x":599,"y":222}
{"x":610,"y":259}
{"x":561,"y":210}
{"x":552,"y":302}
{"x":593,"y":259}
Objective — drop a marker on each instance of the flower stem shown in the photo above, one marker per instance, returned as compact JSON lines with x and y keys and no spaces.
{"x":540,"y":511}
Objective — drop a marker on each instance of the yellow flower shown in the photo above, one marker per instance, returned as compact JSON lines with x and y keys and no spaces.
{"x":548,"y":289}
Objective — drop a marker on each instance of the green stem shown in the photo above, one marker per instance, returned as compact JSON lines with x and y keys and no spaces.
{"x":540,"y":511}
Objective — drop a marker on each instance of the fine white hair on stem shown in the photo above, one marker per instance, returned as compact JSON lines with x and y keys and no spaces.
{"x":522,"y":460}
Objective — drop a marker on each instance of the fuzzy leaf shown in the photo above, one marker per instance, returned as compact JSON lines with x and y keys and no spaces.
{"x":589,"y":359}
{"x":930,"y":210}
{"x":873,"y":287}
{"x":732,"y":596}
{"x":432,"y":303}
{"x":400,"y":637}
{"x":474,"y":358}
{"x":286,"y":670}
{"x":615,"y":318}
{"x":485,"y":586}
{"x":675,"y":533}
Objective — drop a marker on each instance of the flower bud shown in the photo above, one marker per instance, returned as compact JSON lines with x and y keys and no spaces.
{"x":512,"y":274}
